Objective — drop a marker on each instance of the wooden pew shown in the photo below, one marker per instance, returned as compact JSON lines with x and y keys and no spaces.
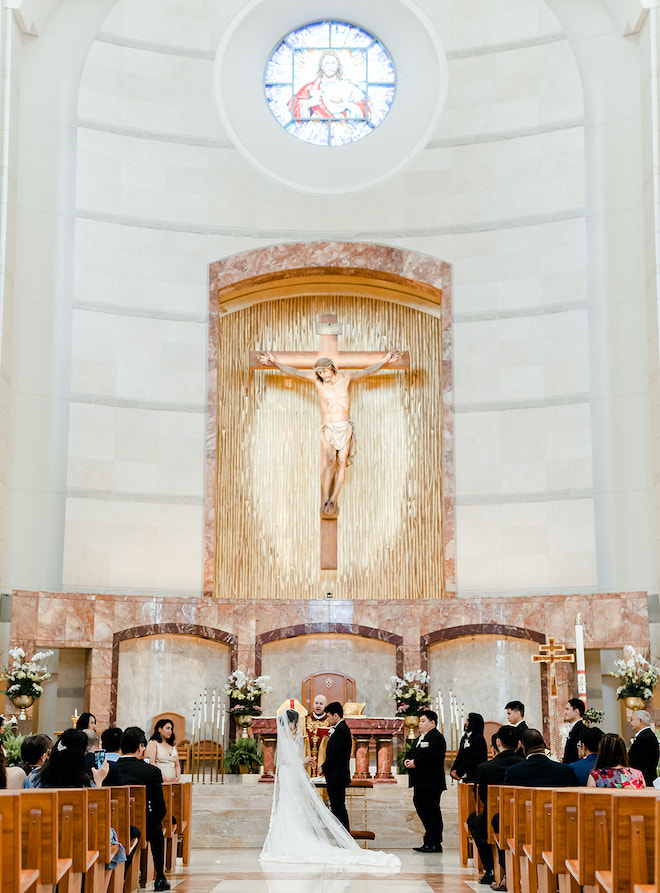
{"x":655,"y":886}
{"x":42,"y":833}
{"x":593,"y":844}
{"x":538,"y":837}
{"x":121,"y":822}
{"x":467,"y":803}
{"x":521,"y":834}
{"x":632,"y":842}
{"x":494,"y":837}
{"x":186,"y":819}
{"x":507,"y":834}
{"x":74,"y":819}
{"x":170,"y":829}
{"x":563,"y":836}
{"x":16,"y":878}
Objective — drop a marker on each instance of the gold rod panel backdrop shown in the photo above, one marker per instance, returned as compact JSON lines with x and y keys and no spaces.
{"x":390,"y":522}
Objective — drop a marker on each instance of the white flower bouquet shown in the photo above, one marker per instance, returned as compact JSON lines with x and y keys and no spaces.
{"x":409,"y":692}
{"x":637,"y":675}
{"x":24,"y":674}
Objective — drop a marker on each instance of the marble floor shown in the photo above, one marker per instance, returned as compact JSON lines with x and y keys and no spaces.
{"x":239,"y":871}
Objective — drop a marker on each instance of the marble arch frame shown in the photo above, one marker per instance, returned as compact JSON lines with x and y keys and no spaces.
{"x":159,"y":629}
{"x":395,"y":274}
{"x":311,"y":629}
{"x":491,"y":629}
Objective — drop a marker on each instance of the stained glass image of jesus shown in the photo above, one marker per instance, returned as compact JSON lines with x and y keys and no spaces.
{"x":329,"y":83}
{"x":330,"y":94}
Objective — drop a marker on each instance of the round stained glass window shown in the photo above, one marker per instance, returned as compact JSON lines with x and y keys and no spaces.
{"x":330,"y":83}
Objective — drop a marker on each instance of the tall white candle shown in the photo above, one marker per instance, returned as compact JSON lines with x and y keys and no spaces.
{"x":579,"y":659}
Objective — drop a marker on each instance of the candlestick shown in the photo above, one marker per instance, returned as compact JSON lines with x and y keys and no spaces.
{"x":580,"y":662}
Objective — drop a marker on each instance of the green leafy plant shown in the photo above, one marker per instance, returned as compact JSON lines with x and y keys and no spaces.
{"x":12,"y":744}
{"x":401,"y":756}
{"x":243,"y":752}
{"x":593,"y":716}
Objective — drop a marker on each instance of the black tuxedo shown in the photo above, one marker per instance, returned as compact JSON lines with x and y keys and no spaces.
{"x":337,"y":771}
{"x":131,"y":770}
{"x":427,"y":779}
{"x":643,"y":754}
{"x":539,"y":771}
{"x":571,"y":751}
{"x":491,"y":772}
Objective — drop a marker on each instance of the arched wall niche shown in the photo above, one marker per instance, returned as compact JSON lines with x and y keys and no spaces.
{"x":341,"y":271}
{"x":179,"y":660}
{"x":500,"y":657}
{"x":368,"y":659}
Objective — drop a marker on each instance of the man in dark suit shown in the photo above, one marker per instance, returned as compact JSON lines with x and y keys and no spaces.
{"x":492,"y":773}
{"x":537,"y":770}
{"x":131,"y":769}
{"x":573,"y":713}
{"x":644,"y":750}
{"x":515,"y":714}
{"x":337,"y":755}
{"x":426,"y":776}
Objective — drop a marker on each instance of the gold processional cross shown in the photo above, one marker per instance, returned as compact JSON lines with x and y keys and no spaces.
{"x":550,"y":654}
{"x":329,"y":330}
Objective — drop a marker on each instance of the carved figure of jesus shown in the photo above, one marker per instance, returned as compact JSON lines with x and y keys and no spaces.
{"x":338,"y":441}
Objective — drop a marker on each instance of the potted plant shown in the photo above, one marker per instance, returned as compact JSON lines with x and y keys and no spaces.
{"x":24,"y":677}
{"x":638,"y":678}
{"x":410,"y":695}
{"x":245,"y":697}
{"x":243,"y":756}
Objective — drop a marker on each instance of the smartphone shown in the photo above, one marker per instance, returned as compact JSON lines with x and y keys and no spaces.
{"x":99,"y":758}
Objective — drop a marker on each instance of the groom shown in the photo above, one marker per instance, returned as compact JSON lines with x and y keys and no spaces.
{"x":335,"y":768}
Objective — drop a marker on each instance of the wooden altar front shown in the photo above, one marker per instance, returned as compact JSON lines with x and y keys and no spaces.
{"x":363,"y":730}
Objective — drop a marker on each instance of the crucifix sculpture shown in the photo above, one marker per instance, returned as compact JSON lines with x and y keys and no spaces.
{"x":550,"y":654}
{"x":338,"y":442}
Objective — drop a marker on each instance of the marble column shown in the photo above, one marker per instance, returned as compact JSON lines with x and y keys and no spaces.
{"x":385,"y":751}
{"x":361,"y":757}
{"x":270,"y":743}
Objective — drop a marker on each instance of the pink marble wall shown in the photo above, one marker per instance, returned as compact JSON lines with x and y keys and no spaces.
{"x":420,"y":271}
{"x":102,"y":622}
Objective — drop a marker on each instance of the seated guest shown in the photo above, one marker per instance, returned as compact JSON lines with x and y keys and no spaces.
{"x":488,"y":773}
{"x":65,"y":767}
{"x":573,"y":713}
{"x":472,"y":750}
{"x":161,"y":751}
{"x":93,"y":744}
{"x":111,"y":743}
{"x":34,"y":751}
{"x":130,"y":768}
{"x":538,"y":770}
{"x":86,"y":721}
{"x":612,"y":767}
{"x":644,"y":750}
{"x":587,"y":752}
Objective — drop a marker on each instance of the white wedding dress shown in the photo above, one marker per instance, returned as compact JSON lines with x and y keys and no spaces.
{"x":302,"y":829}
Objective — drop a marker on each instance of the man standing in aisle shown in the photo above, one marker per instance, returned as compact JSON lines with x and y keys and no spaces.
{"x":336,"y":766}
{"x":644,"y":750}
{"x":573,"y":713}
{"x":426,"y":776}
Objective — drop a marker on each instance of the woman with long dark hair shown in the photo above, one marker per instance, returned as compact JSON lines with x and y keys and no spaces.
{"x":65,"y":767}
{"x":161,"y":750}
{"x":612,"y":767}
{"x":86,"y":721}
{"x":472,"y":750}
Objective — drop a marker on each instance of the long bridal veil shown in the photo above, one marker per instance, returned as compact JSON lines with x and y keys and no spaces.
{"x":302,"y":828}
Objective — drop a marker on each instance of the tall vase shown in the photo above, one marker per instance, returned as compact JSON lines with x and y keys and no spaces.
{"x":243,"y":721}
{"x":411,"y":723}
{"x":635,"y":703}
{"x":22,"y":702}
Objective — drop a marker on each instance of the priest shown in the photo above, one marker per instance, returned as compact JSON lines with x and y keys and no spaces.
{"x":316,"y":730}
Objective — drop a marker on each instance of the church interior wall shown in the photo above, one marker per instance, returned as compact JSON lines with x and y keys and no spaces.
{"x":134,"y":202}
{"x":178,"y":669}
{"x":369,"y":661}
{"x":502,"y":666}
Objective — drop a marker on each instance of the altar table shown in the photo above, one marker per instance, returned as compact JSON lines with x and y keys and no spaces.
{"x":363,"y":729}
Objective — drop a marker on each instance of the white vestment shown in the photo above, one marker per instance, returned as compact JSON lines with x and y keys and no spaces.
{"x":302,"y":828}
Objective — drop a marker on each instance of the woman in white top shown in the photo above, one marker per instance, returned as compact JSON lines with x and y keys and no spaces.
{"x":161,"y":750}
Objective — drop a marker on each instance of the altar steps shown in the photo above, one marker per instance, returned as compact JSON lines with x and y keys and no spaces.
{"x":236,"y":814}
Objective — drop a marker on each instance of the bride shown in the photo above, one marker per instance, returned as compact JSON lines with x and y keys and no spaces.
{"x":302,"y":828}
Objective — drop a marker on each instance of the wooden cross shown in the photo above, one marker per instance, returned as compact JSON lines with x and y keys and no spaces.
{"x":551,"y":654}
{"x":329,"y":330}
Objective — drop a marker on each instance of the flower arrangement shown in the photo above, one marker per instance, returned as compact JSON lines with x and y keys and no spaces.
{"x":593,"y":716}
{"x":24,"y":675}
{"x":409,"y":692}
{"x":638,"y":676}
{"x":245,"y":693}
